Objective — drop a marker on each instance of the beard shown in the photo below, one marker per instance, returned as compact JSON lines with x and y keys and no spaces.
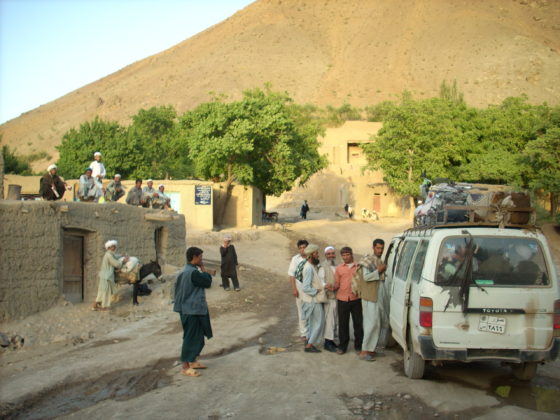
{"x":314,"y":260}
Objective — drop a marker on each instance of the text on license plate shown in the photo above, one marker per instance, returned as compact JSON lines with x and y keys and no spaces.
{"x":492,"y":324}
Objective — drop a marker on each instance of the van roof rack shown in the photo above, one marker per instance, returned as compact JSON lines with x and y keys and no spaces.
{"x":469,"y":215}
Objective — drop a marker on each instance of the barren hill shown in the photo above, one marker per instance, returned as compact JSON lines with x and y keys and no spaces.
{"x":327,"y":52}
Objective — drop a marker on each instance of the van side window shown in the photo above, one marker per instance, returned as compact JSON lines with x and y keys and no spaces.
{"x":419,"y":261}
{"x":405,"y":259}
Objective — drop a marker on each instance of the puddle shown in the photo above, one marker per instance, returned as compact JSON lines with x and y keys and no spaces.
{"x":71,"y":397}
{"x":400,"y":406}
{"x":540,"y":394}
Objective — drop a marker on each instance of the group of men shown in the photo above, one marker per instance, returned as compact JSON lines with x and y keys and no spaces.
{"x":328,"y":295}
{"x":91,"y":189}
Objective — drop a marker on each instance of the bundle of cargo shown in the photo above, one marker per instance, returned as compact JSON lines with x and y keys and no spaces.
{"x":474,"y":203}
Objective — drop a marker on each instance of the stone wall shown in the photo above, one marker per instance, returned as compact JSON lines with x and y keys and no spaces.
{"x":32,"y":251}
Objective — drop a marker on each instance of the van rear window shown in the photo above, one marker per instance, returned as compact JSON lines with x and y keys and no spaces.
{"x":492,"y":261}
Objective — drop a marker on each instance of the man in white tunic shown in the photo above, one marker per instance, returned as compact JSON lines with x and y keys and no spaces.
{"x":296,"y":284}
{"x":313,"y":296}
{"x":149,"y":193}
{"x":326,"y":274}
{"x":107,"y":286}
{"x":369,"y":275}
{"x":98,"y":173}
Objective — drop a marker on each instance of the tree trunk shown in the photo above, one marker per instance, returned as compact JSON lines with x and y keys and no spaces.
{"x":553,"y":204}
{"x":229,"y":190}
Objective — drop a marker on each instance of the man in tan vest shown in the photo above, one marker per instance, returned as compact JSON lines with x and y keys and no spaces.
{"x":371,"y":270}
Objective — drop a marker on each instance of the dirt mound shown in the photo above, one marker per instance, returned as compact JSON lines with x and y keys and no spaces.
{"x":326,"y":53}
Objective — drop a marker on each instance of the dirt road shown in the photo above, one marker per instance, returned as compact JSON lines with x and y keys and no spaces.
{"x":76,"y":363}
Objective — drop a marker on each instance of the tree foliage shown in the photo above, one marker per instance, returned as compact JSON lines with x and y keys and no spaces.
{"x":262,"y":140}
{"x":511,"y":143}
{"x":149,"y":148}
{"x":14,"y":164}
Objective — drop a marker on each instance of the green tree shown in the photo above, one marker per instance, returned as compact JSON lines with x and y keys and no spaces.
{"x":78,"y":146}
{"x":153,"y":146}
{"x":502,"y":132}
{"x":420,"y":135}
{"x":379,"y":111}
{"x":542,"y":157}
{"x":262,"y":140}
{"x":14,"y":164}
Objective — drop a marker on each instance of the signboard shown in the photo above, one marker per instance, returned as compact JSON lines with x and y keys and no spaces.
{"x":202,"y":195}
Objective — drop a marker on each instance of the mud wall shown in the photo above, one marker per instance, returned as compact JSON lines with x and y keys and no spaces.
{"x":33,"y":264}
{"x":244,"y":208}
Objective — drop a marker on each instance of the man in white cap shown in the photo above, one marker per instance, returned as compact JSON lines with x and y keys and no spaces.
{"x":98,"y":173}
{"x":313,"y":296}
{"x":149,"y":193}
{"x":115,"y":190}
{"x":107,"y":287}
{"x":229,"y":264}
{"x":51,"y":186}
{"x":326,"y":274}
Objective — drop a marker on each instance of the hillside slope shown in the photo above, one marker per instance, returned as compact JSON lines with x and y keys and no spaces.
{"x":327,"y":52}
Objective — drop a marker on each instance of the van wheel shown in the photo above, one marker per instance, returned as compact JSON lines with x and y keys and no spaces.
{"x":524,"y":371}
{"x":414,"y":365}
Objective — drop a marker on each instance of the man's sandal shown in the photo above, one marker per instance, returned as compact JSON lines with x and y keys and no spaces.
{"x":198,"y":365}
{"x":190,"y":372}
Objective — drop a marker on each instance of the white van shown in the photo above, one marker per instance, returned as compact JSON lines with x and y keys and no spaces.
{"x":472,"y":292}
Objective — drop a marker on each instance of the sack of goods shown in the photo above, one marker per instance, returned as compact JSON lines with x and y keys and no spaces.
{"x":129,"y":272}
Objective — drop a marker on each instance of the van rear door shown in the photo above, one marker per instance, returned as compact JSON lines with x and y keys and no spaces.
{"x":495,"y":292}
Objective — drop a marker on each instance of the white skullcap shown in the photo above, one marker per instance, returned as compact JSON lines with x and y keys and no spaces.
{"x":53,"y":166}
{"x":118,"y":175}
{"x":97,"y":154}
{"x":110,"y":243}
{"x":227,"y":237}
{"x":329,"y":248}
{"x":150,"y":180}
{"x":310,"y":249}
{"x":161,"y":185}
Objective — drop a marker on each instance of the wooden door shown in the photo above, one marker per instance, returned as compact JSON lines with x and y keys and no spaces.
{"x":73,"y":271}
{"x":376,"y":203}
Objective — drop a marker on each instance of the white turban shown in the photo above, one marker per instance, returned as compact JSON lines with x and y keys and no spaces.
{"x":97,"y":154}
{"x":110,"y":243}
{"x":227,"y":237}
{"x":310,"y":249}
{"x":161,"y":185}
{"x":329,"y":248}
{"x":51,"y":167}
{"x":149,"y":180}
{"x":118,"y":175}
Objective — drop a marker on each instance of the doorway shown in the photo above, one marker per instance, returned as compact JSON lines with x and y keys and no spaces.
{"x":73,"y":268}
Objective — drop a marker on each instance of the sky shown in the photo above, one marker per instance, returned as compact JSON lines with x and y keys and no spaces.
{"x":49,"y":48}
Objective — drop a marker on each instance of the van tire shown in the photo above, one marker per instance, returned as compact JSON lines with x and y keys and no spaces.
{"x":414,"y":365}
{"x":524,"y":371}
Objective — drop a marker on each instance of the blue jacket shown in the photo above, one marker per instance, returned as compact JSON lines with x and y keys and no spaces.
{"x":190,"y":297}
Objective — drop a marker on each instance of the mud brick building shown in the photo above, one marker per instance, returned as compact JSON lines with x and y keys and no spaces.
{"x":50,"y":250}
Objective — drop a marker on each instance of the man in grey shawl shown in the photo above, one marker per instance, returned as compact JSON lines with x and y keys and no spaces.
{"x":326,"y":274}
{"x":313,"y":297}
{"x":115,"y":190}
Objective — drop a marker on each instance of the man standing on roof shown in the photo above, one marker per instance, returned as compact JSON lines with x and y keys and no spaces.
{"x":98,"y":173}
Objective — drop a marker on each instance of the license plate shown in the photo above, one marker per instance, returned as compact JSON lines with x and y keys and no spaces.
{"x":492,"y":324}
